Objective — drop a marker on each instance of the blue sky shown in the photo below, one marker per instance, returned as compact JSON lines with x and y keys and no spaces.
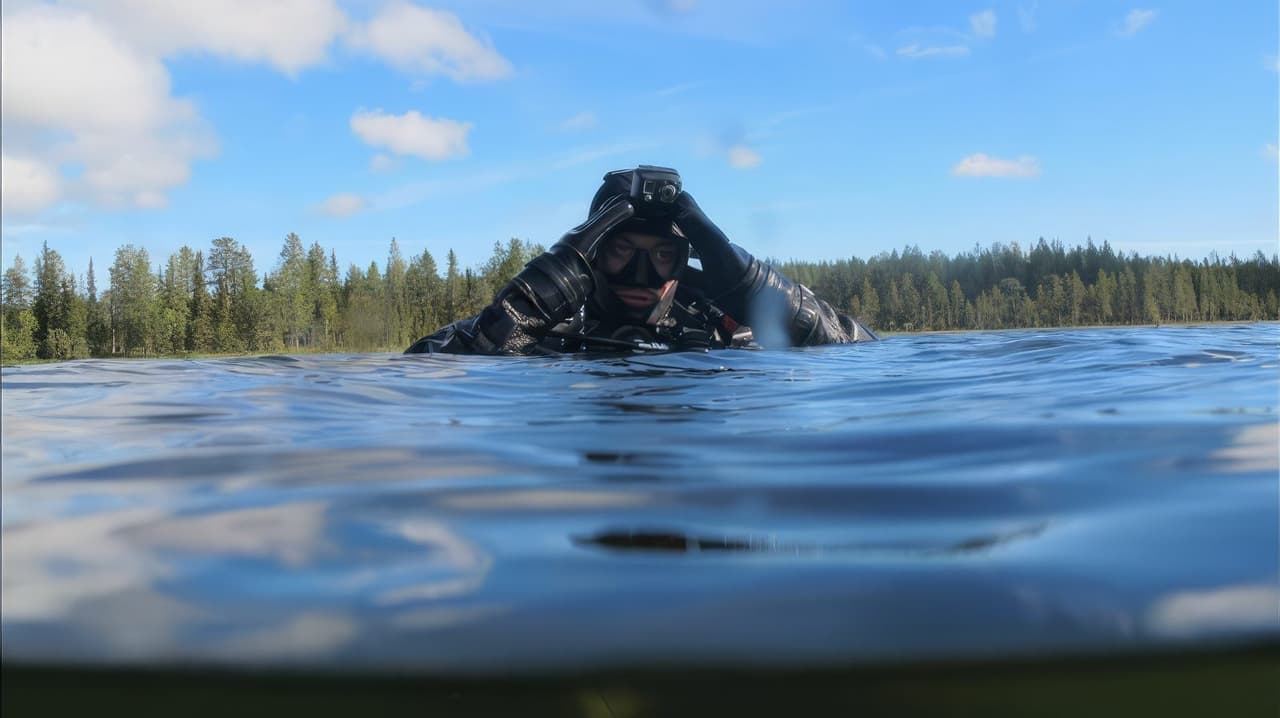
{"x":810,"y":130}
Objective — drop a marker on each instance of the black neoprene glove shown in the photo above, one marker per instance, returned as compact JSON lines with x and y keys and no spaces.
{"x":558,"y":281}
{"x":752,"y":291}
{"x":729,"y":272}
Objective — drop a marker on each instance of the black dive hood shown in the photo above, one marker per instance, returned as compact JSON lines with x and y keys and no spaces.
{"x":636,"y":273}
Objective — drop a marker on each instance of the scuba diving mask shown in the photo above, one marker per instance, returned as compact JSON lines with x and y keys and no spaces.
{"x":641,"y":268}
{"x":640,"y":271}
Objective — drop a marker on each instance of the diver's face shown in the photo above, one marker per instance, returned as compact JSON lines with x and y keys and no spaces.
{"x":618,"y":252}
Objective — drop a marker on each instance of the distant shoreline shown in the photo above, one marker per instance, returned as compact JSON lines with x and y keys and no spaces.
{"x":218,"y":304}
{"x":393,"y":350}
{"x":1162,"y":325}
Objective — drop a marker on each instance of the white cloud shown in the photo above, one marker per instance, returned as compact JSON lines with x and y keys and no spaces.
{"x":287,"y":34}
{"x":382,"y":163}
{"x":1271,"y":151}
{"x":875,"y":51}
{"x":74,"y":93}
{"x":579,"y":122}
{"x":742,"y":157}
{"x":983,"y":24}
{"x":918,"y":52}
{"x":65,"y":70}
{"x":428,"y":42}
{"x":27,"y":185}
{"x":1136,"y":20}
{"x":412,"y":134}
{"x":342,"y":205}
{"x":88,"y":109}
{"x":981,"y":165}
{"x":137,"y":170}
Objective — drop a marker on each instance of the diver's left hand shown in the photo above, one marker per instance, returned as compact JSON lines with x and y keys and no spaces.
{"x":723,"y":263}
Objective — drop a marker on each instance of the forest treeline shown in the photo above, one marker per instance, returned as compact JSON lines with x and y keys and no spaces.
{"x":216,"y":301}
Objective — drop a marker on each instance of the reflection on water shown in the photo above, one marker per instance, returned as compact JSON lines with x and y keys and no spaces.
{"x":659,"y":540}
{"x":1246,"y":609}
{"x":923,"y":498}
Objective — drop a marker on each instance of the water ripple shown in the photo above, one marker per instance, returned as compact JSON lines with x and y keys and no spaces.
{"x":925,"y":497}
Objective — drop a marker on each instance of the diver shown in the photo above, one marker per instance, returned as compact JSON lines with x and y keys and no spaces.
{"x":621,"y":281}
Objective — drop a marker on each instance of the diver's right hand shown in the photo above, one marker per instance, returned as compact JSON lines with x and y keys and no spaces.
{"x":583,"y":239}
{"x":559,"y":280}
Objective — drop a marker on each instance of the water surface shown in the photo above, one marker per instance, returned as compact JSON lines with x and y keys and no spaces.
{"x":939,"y":497}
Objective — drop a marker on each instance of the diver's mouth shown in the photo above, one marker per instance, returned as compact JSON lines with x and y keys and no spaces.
{"x":636,"y":297}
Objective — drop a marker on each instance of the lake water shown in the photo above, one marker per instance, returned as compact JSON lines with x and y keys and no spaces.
{"x":926,"y":498}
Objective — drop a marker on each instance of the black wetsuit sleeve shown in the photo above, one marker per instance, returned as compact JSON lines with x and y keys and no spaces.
{"x":775,"y":306}
{"x":754,"y":293}
{"x":550,"y":289}
{"x":810,"y":321}
{"x":510,"y":325}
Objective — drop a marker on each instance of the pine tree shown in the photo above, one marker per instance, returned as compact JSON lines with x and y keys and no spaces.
{"x":202,"y":331}
{"x":292,"y":305}
{"x":1075,"y":297}
{"x":424,"y":295}
{"x":452,"y":289}
{"x":395,"y":298}
{"x":956,"y":306}
{"x":133,"y":290}
{"x":870,"y":303}
{"x":17,"y":321}
{"x":49,"y":306}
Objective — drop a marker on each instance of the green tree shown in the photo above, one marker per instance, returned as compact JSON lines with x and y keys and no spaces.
{"x":237,"y":305}
{"x":936,"y":304}
{"x":363,"y":321}
{"x":1184,"y":294}
{"x":1104,"y":294}
{"x":956,"y":306}
{"x":97,"y":321}
{"x":1076,"y":294}
{"x":17,"y":335}
{"x":291,"y":299}
{"x":202,"y":331}
{"x":69,"y":341}
{"x":395,"y":298}
{"x":133,"y":291}
{"x":425,"y":292}
{"x":452,"y":289}
{"x":909,"y":303}
{"x":17,"y":286}
{"x":870,"y":302}
{"x":322,"y":291}
{"x":50,"y":306}
{"x":1128,"y":306}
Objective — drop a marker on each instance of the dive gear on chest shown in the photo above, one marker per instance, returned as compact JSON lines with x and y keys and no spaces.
{"x":672,"y":326}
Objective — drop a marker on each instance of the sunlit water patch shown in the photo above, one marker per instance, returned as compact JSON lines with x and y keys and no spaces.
{"x":1032,"y":493}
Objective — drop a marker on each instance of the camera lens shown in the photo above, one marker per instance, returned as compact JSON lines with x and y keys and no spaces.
{"x":667,"y":193}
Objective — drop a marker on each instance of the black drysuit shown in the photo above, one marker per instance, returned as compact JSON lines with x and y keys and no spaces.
{"x":560,"y":301}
